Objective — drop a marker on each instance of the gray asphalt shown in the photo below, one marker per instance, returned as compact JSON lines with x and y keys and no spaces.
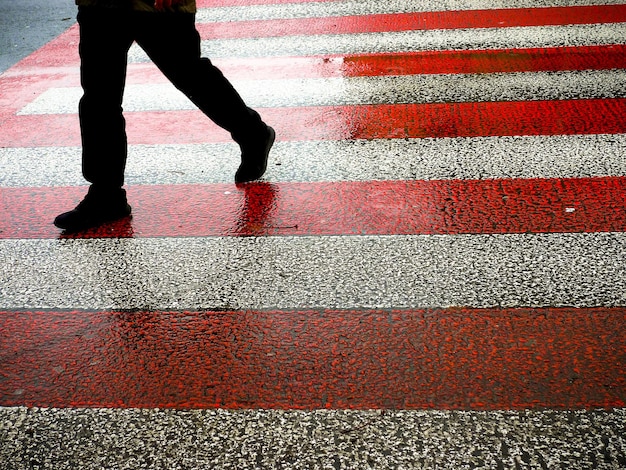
{"x":26,"y":25}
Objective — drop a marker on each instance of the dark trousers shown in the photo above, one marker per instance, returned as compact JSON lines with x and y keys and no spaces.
{"x":173,"y":44}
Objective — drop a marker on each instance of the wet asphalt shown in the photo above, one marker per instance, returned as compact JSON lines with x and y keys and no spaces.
{"x":257,"y":337}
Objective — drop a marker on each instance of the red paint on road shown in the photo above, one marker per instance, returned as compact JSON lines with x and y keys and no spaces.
{"x":338,"y":208}
{"x":561,"y":358}
{"x":485,"y":61}
{"x":410,"y":63}
{"x":507,"y":118}
{"x":360,"y":65}
{"x":466,"y":19}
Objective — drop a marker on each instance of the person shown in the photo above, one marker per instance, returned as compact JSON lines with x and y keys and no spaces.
{"x":165,"y":30}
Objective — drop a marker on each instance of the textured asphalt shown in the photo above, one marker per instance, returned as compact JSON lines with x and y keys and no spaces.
{"x":411,"y":41}
{"x":429,"y":276}
{"x":287,"y":10}
{"x":338,"y":272}
{"x":148,"y":439}
{"x":563,"y":156}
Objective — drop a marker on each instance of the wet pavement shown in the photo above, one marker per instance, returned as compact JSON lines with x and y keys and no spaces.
{"x":430,"y":274}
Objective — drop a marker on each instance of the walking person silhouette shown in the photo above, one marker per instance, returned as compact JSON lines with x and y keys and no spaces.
{"x":165,"y":30}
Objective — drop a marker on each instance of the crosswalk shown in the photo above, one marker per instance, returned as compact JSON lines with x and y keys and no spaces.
{"x":430,"y":275}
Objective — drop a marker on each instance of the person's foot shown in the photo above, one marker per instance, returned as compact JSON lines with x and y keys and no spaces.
{"x":95,"y":209}
{"x":254,"y":157}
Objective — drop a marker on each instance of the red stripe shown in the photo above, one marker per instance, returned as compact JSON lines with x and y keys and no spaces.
{"x":459,"y":358}
{"x":410,"y":63}
{"x":595,"y":116}
{"x":13,"y":85}
{"x":63,"y":50}
{"x":505,"y":18}
{"x":485,"y":61}
{"x":339,"y":208}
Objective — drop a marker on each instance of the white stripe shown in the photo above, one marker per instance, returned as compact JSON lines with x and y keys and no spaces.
{"x":407,"y":41}
{"x":419,"y":271}
{"x":523,"y":86}
{"x":247,"y":439}
{"x":566,"y":156}
{"x":348,"y":439}
{"x":359,"y":7}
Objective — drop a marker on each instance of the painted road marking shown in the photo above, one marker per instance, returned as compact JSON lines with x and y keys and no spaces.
{"x":595,"y":116}
{"x":497,"y":18}
{"x":350,"y":439}
{"x":401,"y":359}
{"x":209,"y":12}
{"x":344,"y":208}
{"x":433,"y":88}
{"x":411,"y":41}
{"x":412,"y":63}
{"x":559,"y":156}
{"x":347,"y":272}
{"x":60,"y":58}
{"x":63,"y":48}
{"x":227,"y":320}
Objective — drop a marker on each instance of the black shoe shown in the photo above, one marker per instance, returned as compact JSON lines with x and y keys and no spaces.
{"x":254,"y":158}
{"x":94,"y":210}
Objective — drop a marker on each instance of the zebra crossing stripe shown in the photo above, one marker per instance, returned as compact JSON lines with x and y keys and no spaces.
{"x":463,"y":158}
{"x":460,"y":358}
{"x":430,"y":20}
{"x":266,"y":10}
{"x":342,"y":208}
{"x":553,"y":117}
{"x":385,"y":90}
{"x":346,"y":271}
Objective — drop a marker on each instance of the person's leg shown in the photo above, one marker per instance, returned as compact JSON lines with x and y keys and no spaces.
{"x":104,"y":43}
{"x":172,"y":42}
